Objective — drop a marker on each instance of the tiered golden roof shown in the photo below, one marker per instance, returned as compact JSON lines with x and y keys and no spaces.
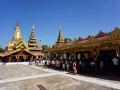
{"x":60,"y":36}
{"x":32,"y":43}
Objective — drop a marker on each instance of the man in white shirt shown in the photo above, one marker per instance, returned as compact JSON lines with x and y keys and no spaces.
{"x":115,"y":63}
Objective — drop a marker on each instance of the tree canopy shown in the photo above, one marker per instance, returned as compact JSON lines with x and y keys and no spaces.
{"x":1,"y":49}
{"x":68,"y":39}
{"x":44,"y":46}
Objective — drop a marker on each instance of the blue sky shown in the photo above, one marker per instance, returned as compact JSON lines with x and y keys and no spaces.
{"x":77,"y":17}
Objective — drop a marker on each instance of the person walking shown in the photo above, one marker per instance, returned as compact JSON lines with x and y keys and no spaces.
{"x":74,"y":68}
{"x":30,"y":61}
{"x":45,"y":63}
{"x":92,"y":64}
{"x":115,"y":63}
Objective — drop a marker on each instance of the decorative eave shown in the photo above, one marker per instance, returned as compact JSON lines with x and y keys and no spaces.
{"x":79,"y":39}
{"x":92,"y":41}
{"x":21,"y":43}
{"x":101,"y":34}
{"x":88,"y":37}
{"x":12,"y":52}
{"x":30,"y":48}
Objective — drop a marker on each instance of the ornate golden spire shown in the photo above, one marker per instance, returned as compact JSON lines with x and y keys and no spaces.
{"x":32,"y":42}
{"x":60,"y":36}
{"x":17,"y":34}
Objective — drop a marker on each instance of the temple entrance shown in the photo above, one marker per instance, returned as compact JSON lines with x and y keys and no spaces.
{"x":21,"y":59}
{"x":27,"y":58}
{"x":85,"y":58}
{"x":13,"y":59}
{"x":106,"y":56}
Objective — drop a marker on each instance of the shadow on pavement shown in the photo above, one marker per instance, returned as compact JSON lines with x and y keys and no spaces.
{"x":106,"y":77}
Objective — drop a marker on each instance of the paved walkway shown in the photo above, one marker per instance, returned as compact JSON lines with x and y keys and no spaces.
{"x":108,"y":83}
{"x":25,"y":73}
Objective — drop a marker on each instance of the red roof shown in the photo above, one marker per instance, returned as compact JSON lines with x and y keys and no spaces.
{"x":101,"y":38}
{"x":69,"y":43}
{"x":84,"y":41}
{"x":60,"y":44}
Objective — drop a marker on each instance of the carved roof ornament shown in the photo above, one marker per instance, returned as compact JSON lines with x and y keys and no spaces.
{"x":91,"y":39}
{"x":77,"y":43}
{"x":88,"y":37}
{"x":74,"y":39}
{"x":101,"y":34}
{"x":80,"y":39}
{"x":116,"y":30}
{"x":73,"y":43}
{"x":115,"y":34}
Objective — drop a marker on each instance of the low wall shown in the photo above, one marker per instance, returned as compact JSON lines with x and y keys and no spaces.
{"x":12,"y":63}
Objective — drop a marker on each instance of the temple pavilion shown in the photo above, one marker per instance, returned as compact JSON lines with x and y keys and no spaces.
{"x":20,"y":51}
{"x":103,"y":46}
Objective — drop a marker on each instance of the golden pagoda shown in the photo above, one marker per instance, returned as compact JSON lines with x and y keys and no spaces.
{"x":60,"y":36}
{"x":19,"y":50}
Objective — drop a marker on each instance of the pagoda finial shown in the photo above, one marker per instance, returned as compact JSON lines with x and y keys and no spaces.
{"x":33,"y":26}
{"x":60,"y":27}
{"x":17,"y":23}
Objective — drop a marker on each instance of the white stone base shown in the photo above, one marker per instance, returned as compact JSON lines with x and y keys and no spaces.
{"x":12,"y":63}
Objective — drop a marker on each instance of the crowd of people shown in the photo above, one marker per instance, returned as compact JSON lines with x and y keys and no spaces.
{"x":84,"y":66}
{"x":36,"y":60}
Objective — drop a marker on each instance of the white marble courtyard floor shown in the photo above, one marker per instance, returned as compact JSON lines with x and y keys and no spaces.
{"x":25,"y":77}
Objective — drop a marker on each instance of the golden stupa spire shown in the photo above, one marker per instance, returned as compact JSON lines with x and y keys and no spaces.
{"x":17,"y":34}
{"x":32,"y":42}
{"x":60,"y":36}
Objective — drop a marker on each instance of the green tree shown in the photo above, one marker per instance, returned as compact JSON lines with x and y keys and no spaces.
{"x":1,"y":49}
{"x":68,"y":39}
{"x":44,"y":46}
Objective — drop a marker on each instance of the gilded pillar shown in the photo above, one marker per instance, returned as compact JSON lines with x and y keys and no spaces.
{"x":58,"y":55}
{"x":86,"y":55}
{"x":94,"y":54}
{"x":72,"y":54}
{"x":118,"y":51}
{"x":65,"y":56}
{"x":51,"y":56}
{"x":24,"y":58}
{"x":61,"y":56}
{"x":9,"y":58}
{"x":17,"y":57}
